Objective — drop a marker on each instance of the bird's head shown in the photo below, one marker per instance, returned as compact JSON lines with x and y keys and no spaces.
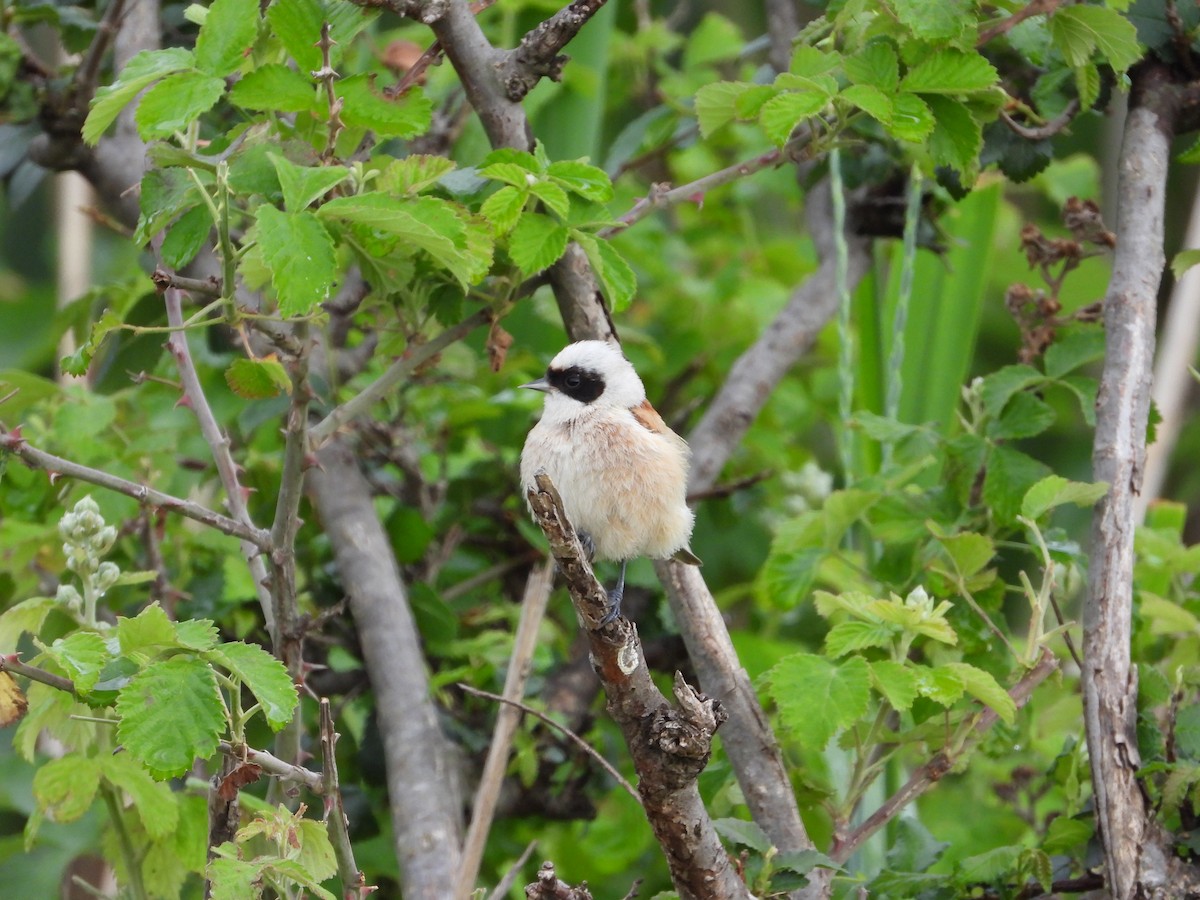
{"x":589,"y":373}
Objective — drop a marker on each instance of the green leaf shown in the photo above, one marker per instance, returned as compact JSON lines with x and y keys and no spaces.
{"x":616,"y":278}
{"x":912,"y":120}
{"x":145,"y":68}
{"x":297,"y":23}
{"x":302,"y":185}
{"x":171,"y":714}
{"x":65,"y":787}
{"x":510,"y":173}
{"x":1076,"y":348}
{"x":1078,"y":31}
{"x":553,"y":196}
{"x":225,"y":38}
{"x":715,"y":38}
{"x":1054,"y":490}
{"x":942,"y":685}
{"x":989,"y":866}
{"x":264,"y":675}
{"x":503,"y":208}
{"x":186,"y":236}
{"x":742,"y":833}
{"x":1087,"y":85}
{"x":716,"y":104}
{"x":196,"y":634}
{"x":146,"y":635}
{"x":812,"y":62}
{"x":1182,"y":261}
{"x":935,"y":20}
{"x":969,"y":552}
{"x":781,"y":114}
{"x":870,"y":100}
{"x":537,"y":242}
{"x":875,"y":65}
{"x":414,"y":174}
{"x":275,"y":87}
{"x":83,"y":655}
{"x":847,"y":637}
{"x":175,"y":102}
{"x":316,"y":851}
{"x":299,"y":252}
{"x":1065,"y":834}
{"x":817,"y":697}
{"x":1010,"y":474}
{"x":1024,"y":416}
{"x":154,"y":801}
{"x":257,"y":379}
{"x":984,"y":688}
{"x":403,"y":117}
{"x":580,"y":178}
{"x":25,"y":617}
{"x":957,"y":136}
{"x":1187,"y":732}
{"x":895,"y":681}
{"x":952,"y":72}
{"x":1000,"y":385}
{"x":509,"y":156}
{"x":234,"y":879}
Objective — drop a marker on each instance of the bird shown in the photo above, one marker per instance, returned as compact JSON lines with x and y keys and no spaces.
{"x":621,"y":472}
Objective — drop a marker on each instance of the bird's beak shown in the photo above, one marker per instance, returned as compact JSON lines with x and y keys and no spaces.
{"x":540,"y":385}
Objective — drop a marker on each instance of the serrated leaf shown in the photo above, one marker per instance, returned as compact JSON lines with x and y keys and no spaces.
{"x":875,"y":65}
{"x":154,"y":801}
{"x":83,"y":655}
{"x":25,"y":617}
{"x":912,"y":120}
{"x":817,"y":697}
{"x":233,"y":879}
{"x":1079,"y":30}
{"x":881,"y":428}
{"x":256,"y":379}
{"x":870,"y":100}
{"x":175,"y":102}
{"x":1054,"y":490}
{"x":969,"y":552}
{"x":147,"y":634}
{"x":742,"y":833}
{"x":847,"y":637}
{"x":1087,"y":84}
{"x":1025,"y":415}
{"x":895,"y":681}
{"x":225,"y":38}
{"x":781,"y":114}
{"x":1075,"y":349}
{"x":999,"y":386}
{"x":503,"y":208}
{"x":750,"y":103}
{"x":404,"y":117}
{"x":65,"y":788}
{"x":509,"y":173}
{"x":951,"y":72}
{"x":186,"y":237}
{"x":989,"y":866}
{"x":537,"y":242}
{"x":510,"y":156}
{"x":316,"y":851}
{"x":302,"y":185}
{"x":616,"y":277}
{"x":264,"y":675}
{"x":553,"y":196}
{"x":941,"y":685}
{"x":414,"y":174}
{"x":297,"y":23}
{"x":716,"y":104}
{"x":275,"y":87}
{"x":935,"y":20}
{"x":580,"y":178}
{"x":171,"y":714}
{"x":299,"y":253}
{"x":957,"y":136}
{"x":983,"y":687}
{"x":1010,"y":473}
{"x":811,"y":61}
{"x":1065,"y":834}
{"x":144,"y":69}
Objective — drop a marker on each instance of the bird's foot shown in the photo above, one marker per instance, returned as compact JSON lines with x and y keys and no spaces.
{"x":614,"y":604}
{"x":589,"y":546}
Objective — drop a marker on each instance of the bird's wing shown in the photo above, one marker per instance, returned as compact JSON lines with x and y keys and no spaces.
{"x":647,"y":416}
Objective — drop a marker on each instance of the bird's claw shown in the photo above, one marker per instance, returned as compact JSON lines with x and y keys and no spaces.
{"x":614,"y":605}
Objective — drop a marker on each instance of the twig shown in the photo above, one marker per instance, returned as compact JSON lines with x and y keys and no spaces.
{"x":537,"y":56}
{"x":9,"y":662}
{"x":83,"y":82}
{"x":717,"y":491}
{"x":567,"y":732}
{"x":12,"y":442}
{"x":941,"y":763}
{"x":1004,"y":26}
{"x":206,"y":287}
{"x":327,"y":76}
{"x":354,"y":883}
{"x":273,"y":765}
{"x":426,"y":59}
{"x":510,"y":877}
{"x":218,"y":443}
{"x":1048,"y":130}
{"x":413,"y":358}
{"x":533,"y":609}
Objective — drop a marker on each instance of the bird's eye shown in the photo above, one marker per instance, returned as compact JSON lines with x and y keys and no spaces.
{"x":573,"y":380}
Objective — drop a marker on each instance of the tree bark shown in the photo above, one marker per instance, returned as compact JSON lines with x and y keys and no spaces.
{"x":1135,"y":862}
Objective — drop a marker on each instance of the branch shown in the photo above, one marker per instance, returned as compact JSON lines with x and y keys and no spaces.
{"x":1049,"y":129}
{"x":354,"y":883}
{"x":421,"y":778}
{"x":533,"y":608}
{"x":207,"y":287}
{"x":537,"y":56}
{"x":1118,"y":456}
{"x":10,"y":662}
{"x":12,"y":442}
{"x":562,"y":729}
{"x":670,"y":747}
{"x":942,"y":762}
{"x":412,"y":359}
{"x":273,"y":765}
{"x":1004,"y":26}
{"x":218,"y":444}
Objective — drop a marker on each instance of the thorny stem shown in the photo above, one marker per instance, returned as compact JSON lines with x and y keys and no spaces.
{"x":10,"y":663}
{"x":327,"y":76}
{"x":335,"y":812}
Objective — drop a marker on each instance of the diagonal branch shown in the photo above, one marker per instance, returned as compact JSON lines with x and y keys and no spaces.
{"x":537,"y":56}
{"x":669,"y":747}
